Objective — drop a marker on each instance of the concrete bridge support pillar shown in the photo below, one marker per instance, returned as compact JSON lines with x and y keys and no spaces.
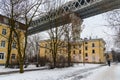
{"x":76,"y":26}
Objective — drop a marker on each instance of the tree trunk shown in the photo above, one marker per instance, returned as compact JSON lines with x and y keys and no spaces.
{"x":24,"y":55}
{"x":21,"y":66}
{"x":20,"y":52}
{"x":69,"y":59}
{"x":9,"y":49}
{"x":54,"y":61}
{"x":69,"y":54}
{"x":54,"y":55}
{"x":7,"y":61}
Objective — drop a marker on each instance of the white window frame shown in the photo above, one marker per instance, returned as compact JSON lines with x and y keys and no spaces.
{"x":6,"y":21}
{"x":14,"y":35}
{"x":3,"y":56}
{"x":14,"y":44}
{"x":2,"y":45}
{"x":14,"y":56}
{"x":93,"y":44}
{"x":4,"y":31}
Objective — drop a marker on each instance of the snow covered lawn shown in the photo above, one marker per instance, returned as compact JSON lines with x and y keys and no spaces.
{"x":3,"y":69}
{"x":52,"y":74}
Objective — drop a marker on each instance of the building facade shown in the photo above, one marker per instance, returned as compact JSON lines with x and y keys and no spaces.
{"x":45,"y":50}
{"x":4,"y":34}
{"x":86,"y":51}
{"x":89,"y":51}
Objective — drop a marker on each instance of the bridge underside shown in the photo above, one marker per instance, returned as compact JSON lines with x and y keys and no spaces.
{"x":63,"y":19}
{"x":83,"y":12}
{"x":98,"y":8}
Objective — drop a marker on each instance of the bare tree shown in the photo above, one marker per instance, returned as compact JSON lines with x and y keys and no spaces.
{"x":10,"y":8}
{"x":33,"y":47}
{"x":29,"y":53}
{"x":29,"y":12}
{"x":20,"y":10}
{"x":55,"y":42}
{"x":113,"y":19}
{"x":68,"y":39}
{"x":55,"y":34}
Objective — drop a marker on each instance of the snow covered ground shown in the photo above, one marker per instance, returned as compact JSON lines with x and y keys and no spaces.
{"x":77,"y":72}
{"x":3,"y":69}
{"x":105,"y":73}
{"x":53,"y":74}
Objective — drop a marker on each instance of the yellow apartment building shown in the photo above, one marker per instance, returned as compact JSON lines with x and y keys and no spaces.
{"x":46,"y":53}
{"x":4,"y":32}
{"x":87,"y":51}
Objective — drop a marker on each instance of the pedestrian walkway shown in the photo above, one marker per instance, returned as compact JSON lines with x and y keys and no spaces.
{"x":107,"y":73}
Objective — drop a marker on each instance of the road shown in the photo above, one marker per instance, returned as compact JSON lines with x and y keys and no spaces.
{"x":105,"y":73}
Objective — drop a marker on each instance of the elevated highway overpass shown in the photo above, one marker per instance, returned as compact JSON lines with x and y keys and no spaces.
{"x":83,"y":9}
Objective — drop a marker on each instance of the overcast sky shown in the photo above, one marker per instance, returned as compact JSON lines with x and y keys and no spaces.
{"x":95,"y":27}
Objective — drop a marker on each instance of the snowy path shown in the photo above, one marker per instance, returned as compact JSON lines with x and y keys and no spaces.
{"x":106,"y":73}
{"x":77,"y":75}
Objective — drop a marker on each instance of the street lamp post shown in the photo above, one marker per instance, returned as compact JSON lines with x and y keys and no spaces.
{"x":83,"y":54}
{"x":84,"y":42}
{"x":37,"y":47}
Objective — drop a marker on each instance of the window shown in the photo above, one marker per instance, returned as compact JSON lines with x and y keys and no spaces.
{"x":104,"y":49}
{"x":46,"y":45}
{"x":93,"y":51}
{"x":93,"y":45}
{"x":17,"y":25}
{"x":2,"y":43}
{"x":1,"y":55}
{"x":13,"y":56}
{"x":45,"y":50}
{"x":86,"y":42}
{"x":6,"y":21}
{"x":14,"y":45}
{"x":73,"y":52}
{"x":80,"y":45}
{"x":79,"y":51}
{"x":86,"y":55}
{"x":4,"y":31}
{"x":73,"y":46}
{"x":14,"y":35}
{"x":86,"y":48}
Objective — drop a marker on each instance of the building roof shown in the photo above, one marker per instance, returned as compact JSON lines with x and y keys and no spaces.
{"x":2,"y":21}
{"x":90,"y":40}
